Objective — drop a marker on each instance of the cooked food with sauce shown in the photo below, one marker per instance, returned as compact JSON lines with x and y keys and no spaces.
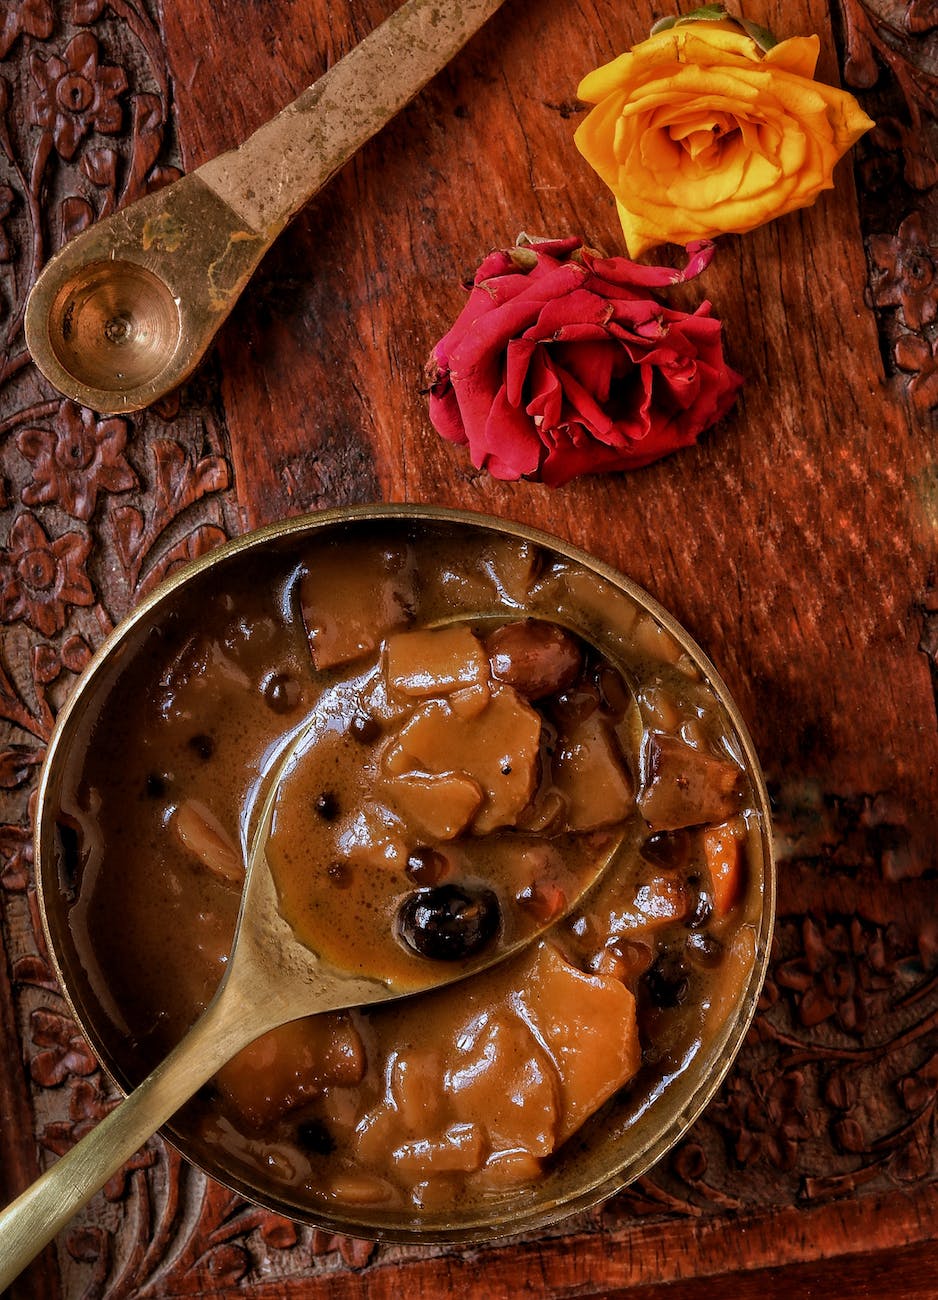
{"x":489,"y":721}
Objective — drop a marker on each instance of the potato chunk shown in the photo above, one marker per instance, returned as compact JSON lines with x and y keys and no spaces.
{"x":588,"y":1025}
{"x":437,"y":806}
{"x":352,"y":596}
{"x":200,"y":831}
{"x":435,"y":661}
{"x":685,"y":786}
{"x":497,"y":748}
{"x":589,"y":772}
{"x":291,"y":1064}
{"x":501,"y":1076}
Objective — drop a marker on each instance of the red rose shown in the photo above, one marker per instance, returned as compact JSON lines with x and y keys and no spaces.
{"x":564,"y":363}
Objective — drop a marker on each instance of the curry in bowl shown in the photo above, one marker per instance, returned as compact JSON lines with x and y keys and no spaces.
{"x":492,"y":714}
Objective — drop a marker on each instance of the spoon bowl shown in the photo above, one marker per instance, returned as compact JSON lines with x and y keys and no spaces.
{"x":114,"y":326}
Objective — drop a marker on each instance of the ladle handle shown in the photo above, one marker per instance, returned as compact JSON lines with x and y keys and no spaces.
{"x":269,"y":178}
{"x":33,"y":1219}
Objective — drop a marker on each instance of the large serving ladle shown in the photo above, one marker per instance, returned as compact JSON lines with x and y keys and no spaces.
{"x":126,"y":310}
{"x":271,"y":978}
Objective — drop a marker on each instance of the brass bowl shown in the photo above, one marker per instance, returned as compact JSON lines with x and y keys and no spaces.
{"x":619,"y":1143}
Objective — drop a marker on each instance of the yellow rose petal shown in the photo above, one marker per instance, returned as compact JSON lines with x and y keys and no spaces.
{"x":799,"y":55}
{"x":697,"y":132}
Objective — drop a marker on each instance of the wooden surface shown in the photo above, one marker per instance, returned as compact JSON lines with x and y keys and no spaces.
{"x":797,"y":543}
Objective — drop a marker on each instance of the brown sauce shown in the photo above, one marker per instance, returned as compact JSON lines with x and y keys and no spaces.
{"x":491,"y":716}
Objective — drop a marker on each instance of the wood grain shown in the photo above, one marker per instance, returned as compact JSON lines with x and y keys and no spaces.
{"x":797,"y":542}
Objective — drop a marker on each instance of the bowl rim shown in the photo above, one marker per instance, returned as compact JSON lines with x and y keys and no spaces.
{"x":526,"y":1216}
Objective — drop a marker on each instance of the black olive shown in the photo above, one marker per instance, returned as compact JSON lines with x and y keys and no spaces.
{"x":427,"y":866}
{"x":203,"y":745}
{"x":156,"y":785}
{"x":281,"y":692}
{"x":702,"y":910}
{"x":448,"y":922}
{"x":327,"y":806}
{"x":666,"y":981}
{"x":667,"y":849}
{"x":313,"y":1136}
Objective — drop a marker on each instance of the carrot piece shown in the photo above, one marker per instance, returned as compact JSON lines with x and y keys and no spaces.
{"x":724,"y":850}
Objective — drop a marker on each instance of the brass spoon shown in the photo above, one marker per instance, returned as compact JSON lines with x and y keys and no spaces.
{"x":270,"y":979}
{"x":125,"y":311}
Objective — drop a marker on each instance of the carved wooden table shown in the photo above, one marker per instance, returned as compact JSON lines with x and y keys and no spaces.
{"x":797,"y":542}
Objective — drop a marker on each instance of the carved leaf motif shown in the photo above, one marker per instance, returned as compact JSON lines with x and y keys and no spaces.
{"x":278,"y":1233}
{"x":47,"y":666}
{"x":129,"y":531}
{"x":77,"y":215}
{"x":16,"y":857}
{"x":100,"y":166}
{"x":921,"y":16}
{"x":36,"y":972}
{"x":16,"y":765}
{"x":33,"y":17}
{"x":88,"y":1245}
{"x":198,"y":542}
{"x":75,"y":653}
{"x":228,"y":1264}
{"x":179,"y":481}
{"x":7,"y":201}
{"x":149,"y":123}
{"x":353,"y":1250}
{"x":914,"y":355}
{"x":67,"y":1052}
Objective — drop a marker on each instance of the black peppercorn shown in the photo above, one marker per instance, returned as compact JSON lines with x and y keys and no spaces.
{"x":203,"y":745}
{"x":327,"y":806}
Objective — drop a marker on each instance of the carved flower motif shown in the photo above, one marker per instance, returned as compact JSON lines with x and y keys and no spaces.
{"x":766,"y":1117}
{"x":844,"y":974}
{"x":6,"y":207}
{"x":40,"y":577}
{"x":76,"y":459}
{"x":31,"y":16}
{"x":905,"y":273}
{"x":76,"y":94}
{"x":87,"y":1106}
{"x":915,"y":356}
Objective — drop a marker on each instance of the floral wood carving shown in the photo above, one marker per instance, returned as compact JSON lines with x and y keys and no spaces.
{"x":835,"y":1091}
{"x":96,"y":510}
{"x":891,"y":59}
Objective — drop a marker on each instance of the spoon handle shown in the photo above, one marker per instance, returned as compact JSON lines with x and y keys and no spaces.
{"x":33,"y":1219}
{"x":269,"y":178}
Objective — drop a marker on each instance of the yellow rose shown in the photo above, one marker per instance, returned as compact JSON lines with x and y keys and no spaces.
{"x":697,"y":132}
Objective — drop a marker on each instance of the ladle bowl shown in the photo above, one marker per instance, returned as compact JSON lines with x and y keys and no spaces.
{"x":125,"y":311}
{"x":617,"y":1145}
